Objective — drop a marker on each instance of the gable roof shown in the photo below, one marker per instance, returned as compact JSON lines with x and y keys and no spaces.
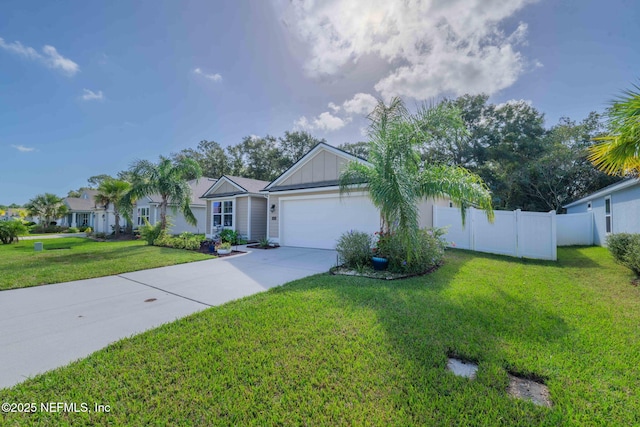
{"x":243,"y":185}
{"x":625,"y":183}
{"x":198,"y":186}
{"x":275,"y":184}
{"x":85,"y":203}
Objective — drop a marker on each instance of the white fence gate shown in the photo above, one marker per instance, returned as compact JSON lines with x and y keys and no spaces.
{"x":514,"y":233}
{"x":575,"y":229}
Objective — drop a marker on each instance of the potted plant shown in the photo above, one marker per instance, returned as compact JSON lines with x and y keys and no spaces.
{"x":223,"y":248}
{"x":379,"y":259}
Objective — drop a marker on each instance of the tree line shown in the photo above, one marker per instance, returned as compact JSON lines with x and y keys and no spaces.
{"x":525,"y":165}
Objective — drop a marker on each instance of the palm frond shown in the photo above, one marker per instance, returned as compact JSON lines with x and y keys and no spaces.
{"x":464,"y":188}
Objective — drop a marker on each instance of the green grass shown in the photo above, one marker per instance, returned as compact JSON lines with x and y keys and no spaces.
{"x":75,"y":258}
{"x":337,"y":350}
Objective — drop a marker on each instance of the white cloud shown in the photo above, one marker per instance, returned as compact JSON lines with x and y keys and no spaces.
{"x":23,"y":148}
{"x":213,"y":77}
{"x":89,"y":95}
{"x":432,"y":47}
{"x":335,"y":108}
{"x":361,"y":103}
{"x":49,"y":56}
{"x":326,"y":122}
{"x":54,"y":60}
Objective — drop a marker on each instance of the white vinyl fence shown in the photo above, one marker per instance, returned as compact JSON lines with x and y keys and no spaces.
{"x":514,"y":233}
{"x":575,"y":229}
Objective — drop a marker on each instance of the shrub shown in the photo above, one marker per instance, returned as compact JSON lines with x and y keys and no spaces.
{"x":625,"y":249}
{"x":88,"y":231}
{"x":224,"y":246}
{"x":354,"y":249}
{"x":427,"y":252}
{"x":72,"y":230}
{"x":264,"y":243}
{"x":230,"y":236}
{"x":185,"y":240}
{"x":150,"y":232}
{"x":11,"y":230}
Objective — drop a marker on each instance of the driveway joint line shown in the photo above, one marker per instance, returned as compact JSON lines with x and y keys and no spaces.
{"x":164,"y":290}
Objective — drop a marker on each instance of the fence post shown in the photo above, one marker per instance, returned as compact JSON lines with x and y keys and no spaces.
{"x":554,"y":236}
{"x":517,"y":214}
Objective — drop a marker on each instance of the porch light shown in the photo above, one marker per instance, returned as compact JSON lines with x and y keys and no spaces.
{"x":272,"y":209}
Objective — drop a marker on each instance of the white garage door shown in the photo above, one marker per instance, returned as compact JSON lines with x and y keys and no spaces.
{"x":318,"y":222}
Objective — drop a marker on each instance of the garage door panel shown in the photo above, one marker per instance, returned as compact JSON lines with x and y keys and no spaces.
{"x":318,"y":222}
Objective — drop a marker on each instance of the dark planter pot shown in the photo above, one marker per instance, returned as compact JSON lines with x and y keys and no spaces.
{"x":379,"y":264}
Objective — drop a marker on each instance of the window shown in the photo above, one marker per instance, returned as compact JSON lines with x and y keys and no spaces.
{"x":223,"y":213}
{"x":143,"y":214}
{"x":607,"y":214}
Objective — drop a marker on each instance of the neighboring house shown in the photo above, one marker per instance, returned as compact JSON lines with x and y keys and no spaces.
{"x":615,"y":209}
{"x":238,"y":204}
{"x":305,"y":207}
{"x":147,"y":208}
{"x":83,"y":211}
{"x":15,"y":213}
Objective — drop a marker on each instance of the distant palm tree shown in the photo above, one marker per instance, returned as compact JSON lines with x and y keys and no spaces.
{"x":619,"y":153}
{"x":113,"y":191}
{"x":167,"y":178}
{"x":47,"y":206}
{"x":396,"y":177}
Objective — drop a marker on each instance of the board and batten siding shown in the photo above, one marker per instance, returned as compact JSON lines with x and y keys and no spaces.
{"x":324,"y":166}
{"x":259,"y":214}
{"x":226,"y":187}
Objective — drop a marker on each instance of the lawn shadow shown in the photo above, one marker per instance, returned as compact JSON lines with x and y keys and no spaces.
{"x":430,"y":317}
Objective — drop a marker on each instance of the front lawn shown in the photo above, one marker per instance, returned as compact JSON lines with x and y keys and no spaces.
{"x":337,"y":350}
{"x":75,"y":258}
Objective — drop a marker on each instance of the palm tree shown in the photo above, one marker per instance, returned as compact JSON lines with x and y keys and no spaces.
{"x":112,"y":191}
{"x":47,"y":206}
{"x":619,"y":153}
{"x":166,"y":178}
{"x":396,"y":177}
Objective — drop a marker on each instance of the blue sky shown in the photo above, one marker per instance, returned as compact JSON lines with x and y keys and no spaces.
{"x":88,"y":87}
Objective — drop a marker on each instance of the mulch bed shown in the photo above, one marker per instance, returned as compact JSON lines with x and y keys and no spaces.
{"x":380,"y":275}
{"x":262,"y":247}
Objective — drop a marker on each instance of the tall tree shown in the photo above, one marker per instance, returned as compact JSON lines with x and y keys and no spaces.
{"x":294,"y":145}
{"x":257,"y":158}
{"x":359,"y":149}
{"x":47,"y":207}
{"x":166,"y":178}
{"x":563,"y":173}
{"x":95,"y":180}
{"x":112,"y":192}
{"x":397,"y":178}
{"x":209,"y":155}
{"x":619,"y":151}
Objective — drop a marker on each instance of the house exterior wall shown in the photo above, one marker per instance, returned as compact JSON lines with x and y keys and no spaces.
{"x":259,"y":214}
{"x":208,"y":218}
{"x":272,"y":219}
{"x":242,"y":215}
{"x":180,"y":224}
{"x":625,"y":213}
{"x":324,"y":166}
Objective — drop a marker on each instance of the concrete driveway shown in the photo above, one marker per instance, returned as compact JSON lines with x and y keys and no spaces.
{"x":45,"y":327}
